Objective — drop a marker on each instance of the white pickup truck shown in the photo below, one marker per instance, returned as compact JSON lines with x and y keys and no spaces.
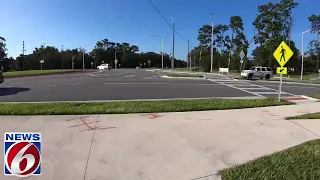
{"x":257,"y":72}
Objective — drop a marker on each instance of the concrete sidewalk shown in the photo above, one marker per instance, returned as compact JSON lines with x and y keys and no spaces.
{"x":176,"y":146}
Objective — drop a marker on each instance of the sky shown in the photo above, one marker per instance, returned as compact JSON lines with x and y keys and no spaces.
{"x":81,"y":23}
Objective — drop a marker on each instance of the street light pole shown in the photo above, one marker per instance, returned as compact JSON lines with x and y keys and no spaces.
{"x":83,"y":59}
{"x":302,"y":52}
{"x":211,"y":43}
{"x":161,"y":48}
{"x":162,"y":51}
{"x":173,"y":29}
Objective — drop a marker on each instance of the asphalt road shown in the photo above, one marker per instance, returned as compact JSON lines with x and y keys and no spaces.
{"x":136,"y":84}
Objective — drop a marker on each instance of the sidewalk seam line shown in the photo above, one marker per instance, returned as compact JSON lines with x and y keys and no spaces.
{"x":21,"y":123}
{"x":305,"y":128}
{"x":94,"y":131}
{"x":192,"y":147}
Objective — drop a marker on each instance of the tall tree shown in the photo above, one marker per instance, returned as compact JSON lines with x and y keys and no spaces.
{"x":315,"y":28}
{"x":2,"y":48}
{"x":272,"y":26}
{"x":238,"y":39}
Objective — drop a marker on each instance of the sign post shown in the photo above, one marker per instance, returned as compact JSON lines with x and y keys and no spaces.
{"x":241,"y":57}
{"x":282,"y":54}
{"x":41,"y":63}
{"x":115,"y":63}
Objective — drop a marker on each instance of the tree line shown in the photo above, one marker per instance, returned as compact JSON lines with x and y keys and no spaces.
{"x":272,"y":25}
{"x":105,"y":51}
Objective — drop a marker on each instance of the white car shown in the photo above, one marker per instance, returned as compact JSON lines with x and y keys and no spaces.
{"x":104,"y":67}
{"x":258,"y":72}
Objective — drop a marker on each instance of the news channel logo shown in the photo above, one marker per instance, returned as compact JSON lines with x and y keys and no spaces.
{"x":22,"y":154}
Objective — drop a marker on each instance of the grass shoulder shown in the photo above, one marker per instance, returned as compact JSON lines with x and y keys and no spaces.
{"x":125,"y":107}
{"x":306,"y":116}
{"x":295,"y":163}
{"x":37,"y":72}
{"x":317,"y":96}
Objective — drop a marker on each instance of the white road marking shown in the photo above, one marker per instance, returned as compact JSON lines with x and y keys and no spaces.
{"x":51,"y":85}
{"x":272,"y":92}
{"x":129,"y":76}
{"x":151,"y":77}
{"x":73,"y":84}
{"x":232,"y":84}
{"x":178,"y":84}
{"x":255,"y":88}
{"x":91,"y":75}
{"x":238,"y":88}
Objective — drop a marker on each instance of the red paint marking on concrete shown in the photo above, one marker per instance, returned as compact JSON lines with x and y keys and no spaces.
{"x":87,"y":124}
{"x":98,"y":128}
{"x":83,"y":124}
{"x":77,"y":118}
{"x":153,"y":115}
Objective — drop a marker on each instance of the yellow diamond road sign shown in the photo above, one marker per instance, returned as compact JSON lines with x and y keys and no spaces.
{"x":283,"y":53}
{"x":282,"y":70}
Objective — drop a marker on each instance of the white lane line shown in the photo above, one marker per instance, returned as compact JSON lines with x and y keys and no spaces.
{"x":244,"y":85}
{"x":177,"y":84}
{"x":51,"y":85}
{"x":91,"y":75}
{"x":129,"y":76}
{"x":256,"y":88}
{"x":271,"y":92}
{"x":73,"y":84}
{"x":151,"y":77}
{"x":238,"y":88}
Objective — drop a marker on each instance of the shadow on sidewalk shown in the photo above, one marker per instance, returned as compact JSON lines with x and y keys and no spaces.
{"x":12,"y":90}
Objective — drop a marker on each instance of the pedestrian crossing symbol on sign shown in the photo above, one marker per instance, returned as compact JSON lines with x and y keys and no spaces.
{"x":282,"y":70}
{"x":283,"y":53}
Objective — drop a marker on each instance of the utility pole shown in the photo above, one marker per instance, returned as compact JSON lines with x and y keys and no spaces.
{"x":173,"y":31}
{"x":61,"y":57}
{"x":211,"y":43}
{"x":162,"y":51}
{"x":83,"y":58}
{"x":189,"y":59}
{"x":318,"y":53}
{"x":23,"y":50}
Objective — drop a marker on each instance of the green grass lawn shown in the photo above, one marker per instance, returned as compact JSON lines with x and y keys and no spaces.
{"x":306,"y":116}
{"x":134,"y":106}
{"x":36,"y":72}
{"x":317,"y":96}
{"x":296,"y":163}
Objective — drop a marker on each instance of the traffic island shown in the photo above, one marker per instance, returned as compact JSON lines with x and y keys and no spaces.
{"x":295,"y":163}
{"x":39,"y":72}
{"x":126,"y":107}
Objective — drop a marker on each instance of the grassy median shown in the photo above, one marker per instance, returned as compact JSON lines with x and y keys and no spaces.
{"x":37,"y":72}
{"x":296,"y":163}
{"x":126,"y":107}
{"x":306,"y":116}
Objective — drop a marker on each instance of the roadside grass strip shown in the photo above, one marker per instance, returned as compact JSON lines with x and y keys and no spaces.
{"x":126,"y":107}
{"x":306,"y":116}
{"x":317,"y":96}
{"x":295,"y":163}
{"x":37,"y":72}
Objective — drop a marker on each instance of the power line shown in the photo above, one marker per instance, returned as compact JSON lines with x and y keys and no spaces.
{"x":155,"y":7}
